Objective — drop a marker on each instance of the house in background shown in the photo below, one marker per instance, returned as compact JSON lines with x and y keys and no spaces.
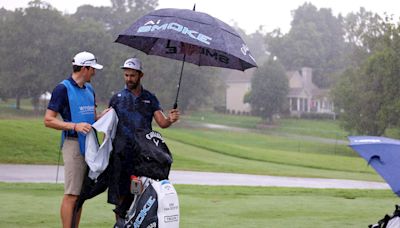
{"x":237,"y":85}
{"x":303,"y":97}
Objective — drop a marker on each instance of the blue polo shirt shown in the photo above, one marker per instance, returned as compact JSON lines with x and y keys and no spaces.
{"x":134,"y":111}
{"x":59,"y":103}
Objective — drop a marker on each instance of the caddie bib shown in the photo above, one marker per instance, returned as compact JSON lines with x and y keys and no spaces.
{"x":81,"y":103}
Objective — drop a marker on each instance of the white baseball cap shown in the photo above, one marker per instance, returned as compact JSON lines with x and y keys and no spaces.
{"x":132,"y":63}
{"x":86,"y":59}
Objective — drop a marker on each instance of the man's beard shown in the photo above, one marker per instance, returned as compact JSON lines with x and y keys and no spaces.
{"x":132,"y":86}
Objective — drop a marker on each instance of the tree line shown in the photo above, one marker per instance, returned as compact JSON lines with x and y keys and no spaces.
{"x":39,"y":42}
{"x":356,"y":56}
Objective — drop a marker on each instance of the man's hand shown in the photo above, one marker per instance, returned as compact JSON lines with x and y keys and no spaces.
{"x":82,"y":127}
{"x":173,"y":115}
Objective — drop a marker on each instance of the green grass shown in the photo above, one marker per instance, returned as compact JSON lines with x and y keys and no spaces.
{"x":37,"y":205}
{"x":27,"y":141}
{"x":187,"y":157}
{"x":318,"y":128}
{"x":229,"y":120}
{"x":274,"y":149}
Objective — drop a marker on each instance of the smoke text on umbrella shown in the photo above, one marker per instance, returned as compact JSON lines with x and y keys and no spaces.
{"x":150,"y":26}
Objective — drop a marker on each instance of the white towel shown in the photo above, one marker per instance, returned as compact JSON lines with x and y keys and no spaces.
{"x":97,"y":157}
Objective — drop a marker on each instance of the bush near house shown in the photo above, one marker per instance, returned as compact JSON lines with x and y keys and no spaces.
{"x":318,"y":116}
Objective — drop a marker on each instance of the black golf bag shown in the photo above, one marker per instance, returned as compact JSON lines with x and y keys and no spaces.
{"x":152,"y":157}
{"x":388,"y":221}
{"x":154,"y":202}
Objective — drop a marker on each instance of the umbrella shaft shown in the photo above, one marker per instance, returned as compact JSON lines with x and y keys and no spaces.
{"x":179,"y":83}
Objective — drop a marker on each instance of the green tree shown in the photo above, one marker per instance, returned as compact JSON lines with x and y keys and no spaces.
{"x":38,"y":43}
{"x":364,"y":28}
{"x":269,"y":88}
{"x":119,"y":16}
{"x":315,"y":40}
{"x":369,"y":94}
{"x":363,"y":32}
{"x":37,"y":48}
{"x":27,"y":36}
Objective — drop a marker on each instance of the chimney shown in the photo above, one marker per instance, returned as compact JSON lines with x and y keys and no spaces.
{"x":306,"y":73}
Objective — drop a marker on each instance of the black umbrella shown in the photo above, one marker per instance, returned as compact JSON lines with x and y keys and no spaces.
{"x":188,"y":36}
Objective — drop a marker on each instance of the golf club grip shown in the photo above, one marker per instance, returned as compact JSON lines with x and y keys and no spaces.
{"x":176,"y":105}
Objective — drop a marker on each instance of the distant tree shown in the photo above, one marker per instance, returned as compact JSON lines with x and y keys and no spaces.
{"x":119,"y":16}
{"x":27,"y":38}
{"x":38,"y":44}
{"x":315,"y":40}
{"x":369,"y":94}
{"x":269,"y":88}
{"x":363,"y":31}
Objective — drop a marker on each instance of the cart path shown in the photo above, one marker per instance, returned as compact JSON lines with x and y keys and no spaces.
{"x":48,"y":174}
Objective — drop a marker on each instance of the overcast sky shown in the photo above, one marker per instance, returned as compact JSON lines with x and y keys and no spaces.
{"x":248,"y":14}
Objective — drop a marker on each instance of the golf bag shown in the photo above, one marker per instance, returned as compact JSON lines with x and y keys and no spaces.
{"x":155,"y":205}
{"x":389,"y":221}
{"x":153,"y":158}
{"x":154,"y":202}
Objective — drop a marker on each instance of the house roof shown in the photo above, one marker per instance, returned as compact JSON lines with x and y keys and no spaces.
{"x":301,"y":85}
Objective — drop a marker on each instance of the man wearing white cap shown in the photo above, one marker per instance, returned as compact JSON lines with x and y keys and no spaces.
{"x":136,"y":107}
{"x":74,"y":100}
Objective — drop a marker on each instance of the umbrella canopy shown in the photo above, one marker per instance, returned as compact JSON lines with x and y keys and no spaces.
{"x":383,"y":154}
{"x":190,"y":36}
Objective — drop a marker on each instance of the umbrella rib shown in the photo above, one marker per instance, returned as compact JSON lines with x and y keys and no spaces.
{"x":152,"y":44}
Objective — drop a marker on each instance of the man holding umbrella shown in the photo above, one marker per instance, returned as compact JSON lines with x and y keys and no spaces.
{"x":136,"y":107}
